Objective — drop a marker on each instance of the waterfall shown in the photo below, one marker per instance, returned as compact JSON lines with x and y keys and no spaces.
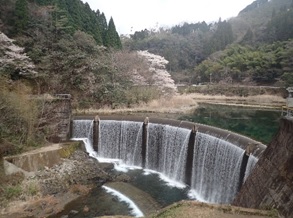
{"x":252,"y":160}
{"x":216,"y":163}
{"x":109,"y":139}
{"x":83,"y":130}
{"x":167,"y":150}
{"x":121,"y":140}
{"x":216,"y":169}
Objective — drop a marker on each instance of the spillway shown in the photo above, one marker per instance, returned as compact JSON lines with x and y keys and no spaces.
{"x":215,"y":163}
{"x":216,"y":169}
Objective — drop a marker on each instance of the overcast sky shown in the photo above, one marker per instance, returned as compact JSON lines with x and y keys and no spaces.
{"x":135,"y":15}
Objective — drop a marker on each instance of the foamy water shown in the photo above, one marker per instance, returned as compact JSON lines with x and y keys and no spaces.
{"x":135,"y":211}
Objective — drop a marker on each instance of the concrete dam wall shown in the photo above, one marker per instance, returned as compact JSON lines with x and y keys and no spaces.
{"x":213,"y":162}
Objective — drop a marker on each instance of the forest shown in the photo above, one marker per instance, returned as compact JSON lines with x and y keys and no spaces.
{"x":254,"y":48}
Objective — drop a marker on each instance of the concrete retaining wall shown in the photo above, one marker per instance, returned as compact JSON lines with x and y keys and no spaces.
{"x":270,"y":185}
{"x":57,"y":115}
{"x":37,"y":159}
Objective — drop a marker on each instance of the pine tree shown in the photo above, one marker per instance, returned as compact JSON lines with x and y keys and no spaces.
{"x":21,"y":16}
{"x":103,"y":25}
{"x":112,"y":38}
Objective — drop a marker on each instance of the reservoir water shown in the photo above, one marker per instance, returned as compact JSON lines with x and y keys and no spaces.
{"x":258,"y":124}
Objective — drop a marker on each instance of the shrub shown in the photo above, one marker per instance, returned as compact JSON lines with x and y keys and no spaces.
{"x":142,"y":94}
{"x":10,"y":192}
{"x":18,"y":114}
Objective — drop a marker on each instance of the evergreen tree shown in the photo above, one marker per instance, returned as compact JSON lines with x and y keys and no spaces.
{"x":112,"y":38}
{"x":21,"y":16}
{"x":61,"y":23}
{"x":248,"y":37}
{"x":103,"y":25}
{"x":281,"y":26}
{"x":222,"y":37}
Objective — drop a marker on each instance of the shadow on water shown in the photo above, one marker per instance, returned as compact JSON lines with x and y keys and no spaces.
{"x":257,"y":124}
{"x":152,"y":184}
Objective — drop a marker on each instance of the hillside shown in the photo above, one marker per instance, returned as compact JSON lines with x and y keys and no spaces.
{"x":74,"y":50}
{"x":22,"y":17}
{"x":259,"y":18}
{"x":253,"y":48}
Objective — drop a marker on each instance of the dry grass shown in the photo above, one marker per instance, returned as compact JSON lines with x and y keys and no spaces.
{"x":267,"y":99}
{"x":30,"y":188}
{"x":174,"y":104}
{"x":190,"y":209}
{"x":257,"y":100}
{"x":188,"y":102}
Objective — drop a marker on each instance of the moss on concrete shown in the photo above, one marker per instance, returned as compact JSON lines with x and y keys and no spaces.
{"x":68,"y":149}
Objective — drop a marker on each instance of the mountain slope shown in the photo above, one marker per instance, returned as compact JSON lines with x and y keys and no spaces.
{"x":197,"y":52}
{"x":256,"y":16}
{"x":60,"y":16}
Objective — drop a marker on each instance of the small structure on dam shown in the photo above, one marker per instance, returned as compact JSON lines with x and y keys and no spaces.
{"x":212,"y":161}
{"x":288,"y":109}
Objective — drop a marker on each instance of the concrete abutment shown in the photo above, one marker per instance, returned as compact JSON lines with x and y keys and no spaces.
{"x":270,"y":184}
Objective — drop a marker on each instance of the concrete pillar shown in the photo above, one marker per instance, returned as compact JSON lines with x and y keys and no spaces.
{"x":248,"y":151}
{"x":70,"y":129}
{"x":190,"y":151}
{"x":144,"y":141}
{"x":96,"y":133}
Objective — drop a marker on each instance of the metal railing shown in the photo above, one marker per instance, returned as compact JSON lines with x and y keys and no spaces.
{"x":287,"y":111}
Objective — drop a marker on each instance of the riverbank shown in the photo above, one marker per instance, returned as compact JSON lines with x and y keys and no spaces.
{"x":186,"y":103}
{"x":46,"y":192}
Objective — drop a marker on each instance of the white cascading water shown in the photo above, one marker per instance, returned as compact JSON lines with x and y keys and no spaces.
{"x":167,"y":150}
{"x":135,"y":211}
{"x":216,"y":169}
{"x":216,"y":162}
{"x":109,"y":139}
{"x":83,"y":130}
{"x":121,"y":140}
{"x":252,"y":160}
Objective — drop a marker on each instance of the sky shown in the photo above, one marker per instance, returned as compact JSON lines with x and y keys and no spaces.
{"x":135,"y":15}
